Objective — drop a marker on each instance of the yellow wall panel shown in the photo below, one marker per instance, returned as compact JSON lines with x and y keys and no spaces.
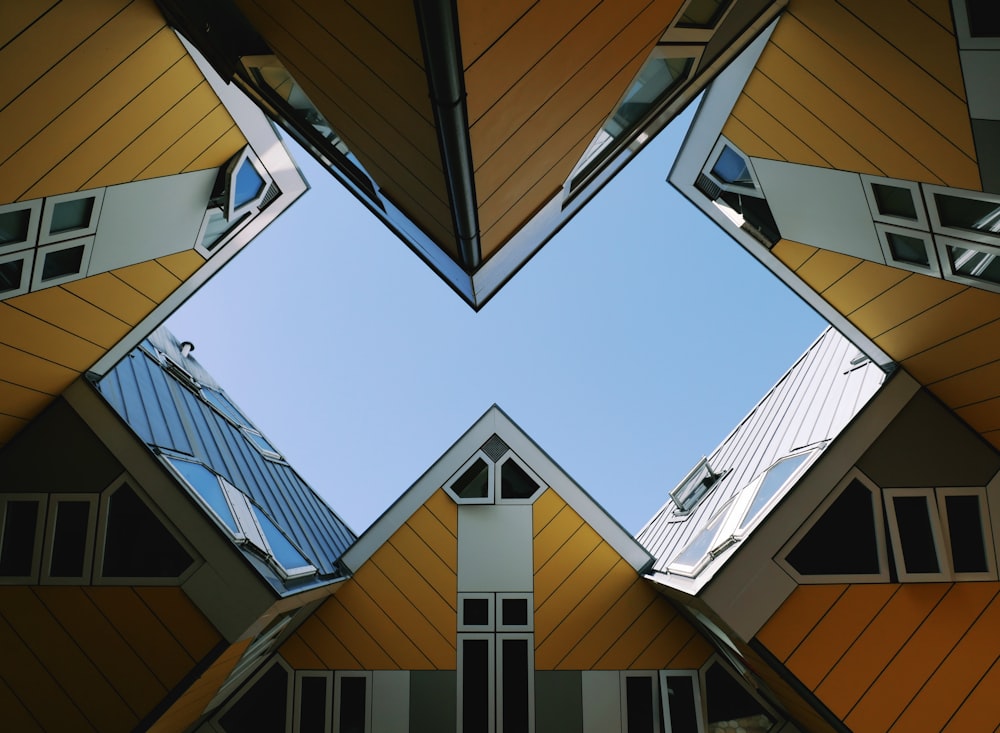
{"x":553,"y":602}
{"x":182,"y":265}
{"x":861,"y":284}
{"x":191,"y":145}
{"x":796,"y":617}
{"x":28,"y":370}
{"x":784,"y":141}
{"x":748,"y":141}
{"x":939,"y":10}
{"x":967,"y":388}
{"x":67,"y":311}
{"x":20,"y":401}
{"x":599,"y":649}
{"x":219,"y":152}
{"x":667,"y":644}
{"x":982,"y":416}
{"x":482,"y":24}
{"x":110,"y":294}
{"x":149,"y":278}
{"x":975,"y":348}
{"x":825,"y":268}
{"x":888,"y":631}
{"x":792,"y":254}
{"x":351,"y":634}
{"x":439,"y":574}
{"x":570,"y":556}
{"x":544,"y":509}
{"x":445,"y":511}
{"x":316,"y":635}
{"x":299,"y":654}
{"x":27,"y":333}
{"x":634,"y":641}
{"x":694,"y":654}
{"x":15,"y":17}
{"x":910,"y":297}
{"x":910,"y":669}
{"x":554,"y":535}
{"x":980,"y":710}
{"x":397,"y":20}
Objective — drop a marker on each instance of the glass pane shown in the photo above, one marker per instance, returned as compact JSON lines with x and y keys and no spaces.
{"x":515,"y":483}
{"x":974,"y":263}
{"x":975,"y":215}
{"x":965,"y":530}
{"x":905,"y":248}
{"x":843,"y":541}
{"x":227,"y":408}
{"x":136,"y":544}
{"x":476,"y":612}
{"x":18,"y":544}
{"x":263,"y":707}
{"x":312,"y":705}
{"x":702,"y":13}
{"x":687,"y":495}
{"x":727,"y":700}
{"x":984,"y":18}
{"x":732,"y":168}
{"x":70,"y":539}
{"x":353,"y":707}
{"x":261,"y":442}
{"x":284,"y":551}
{"x":475,"y":686}
{"x":514,"y":611}
{"x":14,"y":226}
{"x":915,"y":535}
{"x":216,"y":229}
{"x":682,"y":704}
{"x":702,"y":542}
{"x":10,"y":275}
{"x":894,"y":201}
{"x":475,"y":482}
{"x":639,"y":704}
{"x":70,"y":215}
{"x":207,"y":485}
{"x":249,"y":184}
{"x":775,"y":479}
{"x":515,"y":680}
{"x":62,"y":262}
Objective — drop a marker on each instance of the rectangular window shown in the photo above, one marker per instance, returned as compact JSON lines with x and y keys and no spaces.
{"x":475,"y":612}
{"x":681,"y":696}
{"x":967,"y":533}
{"x":15,"y":273}
{"x":965,"y":214}
{"x":312,"y":709}
{"x":695,"y":485}
{"x":19,"y":224}
{"x":915,"y":531}
{"x":640,"y":703}
{"x":70,"y":538}
{"x":60,"y":263}
{"x":515,"y":670}
{"x":70,"y":216}
{"x":352,"y":703}
{"x":20,"y":537}
{"x":970,"y":262}
{"x":475,"y":683}
{"x":908,"y":249}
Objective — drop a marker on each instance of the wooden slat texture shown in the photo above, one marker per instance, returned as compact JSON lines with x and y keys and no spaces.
{"x":21,"y":401}
{"x":71,"y":313}
{"x":149,"y":278}
{"x":481,"y":25}
{"x":182,"y":265}
{"x":15,"y":714}
{"x":176,"y":612}
{"x":965,"y":311}
{"x":27,"y":333}
{"x":15,"y":17}
{"x":824,"y":268}
{"x":113,"y":295}
{"x":980,"y":710}
{"x":797,"y":617}
{"x":861,"y":284}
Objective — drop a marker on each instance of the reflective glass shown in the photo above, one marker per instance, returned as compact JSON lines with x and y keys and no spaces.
{"x":905,"y":248}
{"x":62,"y":262}
{"x":249,"y":184}
{"x":207,"y":485}
{"x":475,"y":482}
{"x":974,"y":263}
{"x":14,"y":226}
{"x":70,"y":215}
{"x":283,"y":550}
{"x":976,"y":215}
{"x":732,"y":168}
{"x":776,"y":477}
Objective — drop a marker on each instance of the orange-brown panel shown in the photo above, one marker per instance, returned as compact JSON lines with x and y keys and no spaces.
{"x":67,"y":311}
{"x":545,"y":508}
{"x":836,"y":632}
{"x":982,"y":416}
{"x":963,"y":312}
{"x":21,"y":401}
{"x":218,"y":152}
{"x":748,"y":141}
{"x":918,"y":34}
{"x":15,"y":715}
{"x":299,"y":654}
{"x":435,"y":535}
{"x":694,"y":654}
{"x":57,"y":651}
{"x":15,"y":17}
{"x":569,"y":556}
{"x":446,"y":512}
{"x":858,"y":131}
{"x":910,"y":669}
{"x":980,"y":710}
{"x":598,"y":646}
{"x":519,"y":49}
{"x":554,"y":602}
{"x":666,"y":645}
{"x":910,"y":297}
{"x":28,"y":370}
{"x":149,"y":278}
{"x":439,"y":575}
{"x":112,"y":295}
{"x":555,"y":534}
{"x":192,"y":144}
{"x":786,"y":142}
{"x":924,"y":97}
{"x":876,"y":646}
{"x":120,"y":130}
{"x":634,"y":641}
{"x":481,"y":24}
{"x":948,"y":687}
{"x":182,"y":265}
{"x":58,"y":133}
{"x":864,"y":282}
{"x":939,"y":11}
{"x":971,"y":387}
{"x":35,"y":687}
{"x":35,"y":336}
{"x":105,"y":647}
{"x":351,"y":634}
{"x":825,"y":268}
{"x":176,"y":611}
{"x":397,"y":21}
{"x":970,"y":350}
{"x":143,"y":631}
{"x":797,"y":617}
{"x":318,"y":637}
{"x":792,"y":254}
{"x":807,"y":45}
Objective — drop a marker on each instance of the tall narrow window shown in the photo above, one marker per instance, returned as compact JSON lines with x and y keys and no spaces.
{"x":514,"y":690}
{"x":967,"y":533}
{"x":352,"y":703}
{"x":681,"y":696}
{"x":20,"y":536}
{"x":312,"y":709}
{"x":640,"y":708}
{"x":71,"y":537}
{"x":916,"y":534}
{"x":475,"y":680}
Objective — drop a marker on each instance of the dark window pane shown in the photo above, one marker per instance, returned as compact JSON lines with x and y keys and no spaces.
{"x":515,"y":611}
{"x":702,"y":14}
{"x":843,"y":541}
{"x":975,"y":215}
{"x":476,"y":611}
{"x":965,"y":528}
{"x":18,"y":544}
{"x":756,"y":213}
{"x":515,"y":483}
{"x":137,"y":545}
{"x":10,"y":275}
{"x":70,"y":215}
{"x":515,"y":685}
{"x":894,"y":200}
{"x":312,"y":705}
{"x":475,"y":686}
{"x":249,"y":184}
{"x":907,"y":249}
{"x":285,"y":553}
{"x":14,"y":226}
{"x":62,"y":262}
{"x":353,"y":710}
{"x":639,"y":704}
{"x":69,"y":539}
{"x":726,"y":699}
{"x":207,"y":485}
{"x":682,"y":704}
{"x":915,"y":536}
{"x":731,"y":168}
{"x":984,"y":18}
{"x":974,"y":263}
{"x":263,"y":707}
{"x":474,"y":483}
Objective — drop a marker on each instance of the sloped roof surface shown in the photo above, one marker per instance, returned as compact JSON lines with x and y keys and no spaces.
{"x":158,"y":408}
{"x":810,"y":404}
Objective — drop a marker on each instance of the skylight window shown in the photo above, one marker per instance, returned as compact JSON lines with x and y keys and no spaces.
{"x":224,"y":406}
{"x":771,"y":485}
{"x":695,"y":556}
{"x":694,"y":486}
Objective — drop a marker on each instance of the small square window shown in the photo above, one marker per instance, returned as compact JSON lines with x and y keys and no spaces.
{"x":14,"y":226}
{"x":62,"y":262}
{"x":908,"y":249}
{"x":894,"y":201}
{"x":970,"y":263}
{"x":11,"y":275}
{"x":68,"y":216}
{"x":905,"y":248}
{"x":59,"y":263}
{"x":514,"y":611}
{"x":476,"y":611}
{"x":984,"y":18}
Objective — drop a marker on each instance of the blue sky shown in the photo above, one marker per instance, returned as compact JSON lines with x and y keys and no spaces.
{"x":627,"y":348}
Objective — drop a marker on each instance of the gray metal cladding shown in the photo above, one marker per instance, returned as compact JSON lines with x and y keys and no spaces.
{"x":168,"y":415}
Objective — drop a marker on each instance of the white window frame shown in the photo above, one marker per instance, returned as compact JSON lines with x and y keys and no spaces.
{"x":498,"y":470}
{"x":984,"y":519}
{"x":88,"y":544}
{"x":692,"y":571}
{"x":34,"y":209}
{"x":937,"y":533}
{"x":948,"y":272}
{"x":232,"y":170}
{"x":248,"y":434}
{"x":966,"y":234}
{"x":654,"y":684}
{"x":491,"y":613}
{"x":338,"y":697}
{"x":40,"y":529}
{"x":28,"y":257}
{"x":878,"y":510}
{"x":919,"y":206}
{"x":698,"y":698}
{"x":491,"y":667}
{"x":234,"y":228}
{"x":723,"y":142}
{"x":529,"y":639}
{"x":933,"y":267}
{"x":965,"y":38}
{"x":693,"y":35}
{"x":746,"y":495}
{"x":37,"y":283}
{"x":490,"y":497}
{"x":326,"y":675}
{"x":681,"y":494}
{"x":498,"y":612}
{"x":47,"y":237}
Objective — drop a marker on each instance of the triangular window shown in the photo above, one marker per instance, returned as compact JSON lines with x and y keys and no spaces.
{"x":137,"y":544}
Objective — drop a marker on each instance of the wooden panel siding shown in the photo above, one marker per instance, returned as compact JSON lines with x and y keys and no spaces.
{"x":398,"y":610}
{"x":892,"y":657}
{"x":882,"y":82}
{"x":592,"y":610}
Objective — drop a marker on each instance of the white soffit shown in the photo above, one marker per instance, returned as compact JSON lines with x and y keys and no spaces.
{"x":495,"y":548}
{"x":145,"y":220}
{"x":821,"y":207}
